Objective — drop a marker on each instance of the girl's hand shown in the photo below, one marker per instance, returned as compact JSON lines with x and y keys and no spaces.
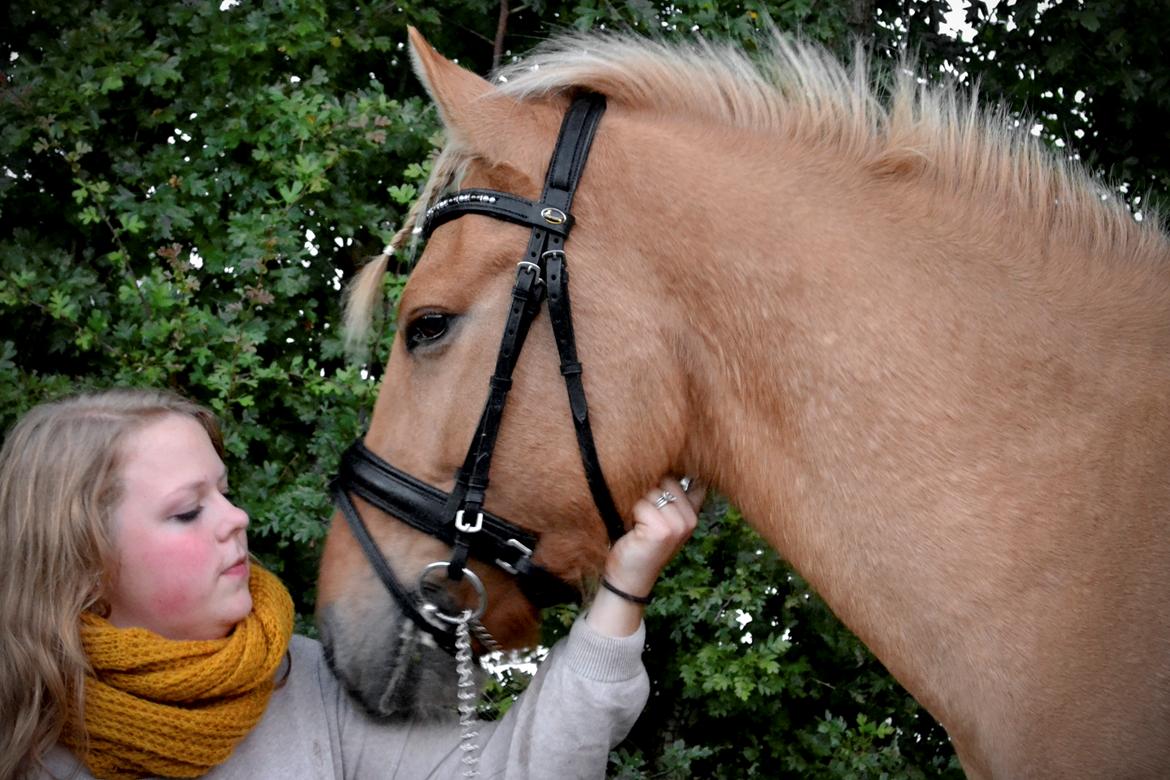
{"x":636,"y":560}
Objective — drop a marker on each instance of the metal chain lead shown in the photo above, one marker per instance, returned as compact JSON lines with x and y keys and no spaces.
{"x":468,"y":694}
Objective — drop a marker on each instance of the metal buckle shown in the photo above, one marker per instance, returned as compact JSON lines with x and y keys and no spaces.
{"x":552,"y":253}
{"x":525,"y":553}
{"x":535,"y":268}
{"x":468,"y":528}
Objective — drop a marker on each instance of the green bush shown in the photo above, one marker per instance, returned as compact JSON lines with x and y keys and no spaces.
{"x":186,"y":190}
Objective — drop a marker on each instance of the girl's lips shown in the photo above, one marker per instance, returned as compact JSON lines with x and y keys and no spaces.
{"x":238,"y":569}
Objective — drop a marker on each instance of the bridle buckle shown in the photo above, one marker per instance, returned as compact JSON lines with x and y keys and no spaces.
{"x":524,"y":553}
{"x":468,"y":528}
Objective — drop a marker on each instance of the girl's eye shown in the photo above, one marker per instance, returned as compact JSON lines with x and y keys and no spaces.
{"x":426,"y":329}
{"x":186,"y":517}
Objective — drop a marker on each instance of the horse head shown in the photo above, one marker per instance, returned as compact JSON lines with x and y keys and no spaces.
{"x":451,"y":317}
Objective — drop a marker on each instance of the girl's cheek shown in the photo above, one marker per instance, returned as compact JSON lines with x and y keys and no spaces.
{"x":184,"y":572}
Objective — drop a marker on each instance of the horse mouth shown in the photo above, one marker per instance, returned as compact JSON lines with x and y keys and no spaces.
{"x":399,"y":673}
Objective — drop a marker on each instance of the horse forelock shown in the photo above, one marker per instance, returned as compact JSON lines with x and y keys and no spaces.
{"x":894,"y":125}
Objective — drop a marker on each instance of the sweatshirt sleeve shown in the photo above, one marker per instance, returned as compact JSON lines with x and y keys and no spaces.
{"x":580,"y":704}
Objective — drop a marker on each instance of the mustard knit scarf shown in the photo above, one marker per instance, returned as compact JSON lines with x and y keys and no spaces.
{"x":155,"y":706}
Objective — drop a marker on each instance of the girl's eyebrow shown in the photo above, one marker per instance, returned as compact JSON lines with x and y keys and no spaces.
{"x":194,"y":485}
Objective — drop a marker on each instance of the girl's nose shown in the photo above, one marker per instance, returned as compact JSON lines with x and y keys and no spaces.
{"x":235,"y":519}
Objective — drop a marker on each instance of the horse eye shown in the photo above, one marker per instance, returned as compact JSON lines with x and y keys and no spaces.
{"x":426,"y":329}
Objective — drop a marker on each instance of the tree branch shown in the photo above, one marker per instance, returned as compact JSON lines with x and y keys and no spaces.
{"x":501,"y":31}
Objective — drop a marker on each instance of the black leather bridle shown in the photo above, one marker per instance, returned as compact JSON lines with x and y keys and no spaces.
{"x":458,"y":518}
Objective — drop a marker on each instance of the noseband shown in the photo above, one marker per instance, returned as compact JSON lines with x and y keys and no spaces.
{"x":458,"y":518}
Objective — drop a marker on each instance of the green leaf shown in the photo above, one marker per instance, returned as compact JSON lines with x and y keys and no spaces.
{"x":291,"y":193}
{"x":402,"y":193}
{"x":132,"y":223}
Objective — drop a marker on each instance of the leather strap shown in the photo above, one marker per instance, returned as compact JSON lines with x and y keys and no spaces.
{"x":557,"y":280}
{"x":501,"y":205}
{"x":471,"y":482}
{"x":643,"y":600}
{"x":406,"y":601}
{"x":423,"y":507}
{"x":545,"y":252}
{"x":459,"y":519}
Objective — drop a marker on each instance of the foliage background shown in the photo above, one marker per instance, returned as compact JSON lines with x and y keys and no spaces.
{"x":184,"y":189}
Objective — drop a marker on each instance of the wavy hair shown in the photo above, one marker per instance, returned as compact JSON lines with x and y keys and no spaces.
{"x":59,"y":484}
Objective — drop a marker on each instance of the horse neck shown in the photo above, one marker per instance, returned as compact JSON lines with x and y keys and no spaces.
{"x":896,"y":398}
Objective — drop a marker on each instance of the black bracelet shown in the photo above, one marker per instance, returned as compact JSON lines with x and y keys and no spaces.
{"x":643,"y":600}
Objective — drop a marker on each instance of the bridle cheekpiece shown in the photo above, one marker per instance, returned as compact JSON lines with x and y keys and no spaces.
{"x":458,"y":518}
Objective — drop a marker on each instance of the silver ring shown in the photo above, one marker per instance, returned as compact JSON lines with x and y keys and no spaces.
{"x":685,"y":483}
{"x":664,"y":499}
{"x":466,"y":616}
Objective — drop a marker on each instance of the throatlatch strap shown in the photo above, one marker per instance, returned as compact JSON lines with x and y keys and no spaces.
{"x":557,"y":281}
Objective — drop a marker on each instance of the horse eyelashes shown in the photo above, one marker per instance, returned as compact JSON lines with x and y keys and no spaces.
{"x":426,"y":329}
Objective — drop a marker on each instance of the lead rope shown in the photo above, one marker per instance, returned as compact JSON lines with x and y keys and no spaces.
{"x":468,"y":694}
{"x":487,"y":640}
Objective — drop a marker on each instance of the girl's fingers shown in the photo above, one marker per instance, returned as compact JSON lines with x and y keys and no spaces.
{"x":684,"y":500}
{"x":664,"y":518}
{"x":669,"y":506}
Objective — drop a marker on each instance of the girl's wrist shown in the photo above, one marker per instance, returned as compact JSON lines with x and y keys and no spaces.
{"x":611,"y":615}
{"x":636,"y":580}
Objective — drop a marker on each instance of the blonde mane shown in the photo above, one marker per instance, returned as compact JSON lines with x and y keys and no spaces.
{"x":903,"y":127}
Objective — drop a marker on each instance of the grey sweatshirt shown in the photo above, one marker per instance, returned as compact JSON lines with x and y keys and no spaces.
{"x":583,"y":701}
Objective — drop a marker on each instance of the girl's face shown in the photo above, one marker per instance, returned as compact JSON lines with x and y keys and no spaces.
{"x":182,"y":552}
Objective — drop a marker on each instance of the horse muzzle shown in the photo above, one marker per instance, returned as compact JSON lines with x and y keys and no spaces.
{"x":394,"y":669}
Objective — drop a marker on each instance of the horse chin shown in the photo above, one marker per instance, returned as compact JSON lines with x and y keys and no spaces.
{"x":396,"y":674}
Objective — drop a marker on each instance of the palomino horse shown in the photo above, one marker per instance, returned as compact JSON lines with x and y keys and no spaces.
{"x":929,"y":361}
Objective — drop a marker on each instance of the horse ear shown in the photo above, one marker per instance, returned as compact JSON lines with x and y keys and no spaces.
{"x":453,"y":89}
{"x":476,"y":115}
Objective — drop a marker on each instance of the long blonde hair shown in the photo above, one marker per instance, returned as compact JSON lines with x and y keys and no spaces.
{"x":59,"y":483}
